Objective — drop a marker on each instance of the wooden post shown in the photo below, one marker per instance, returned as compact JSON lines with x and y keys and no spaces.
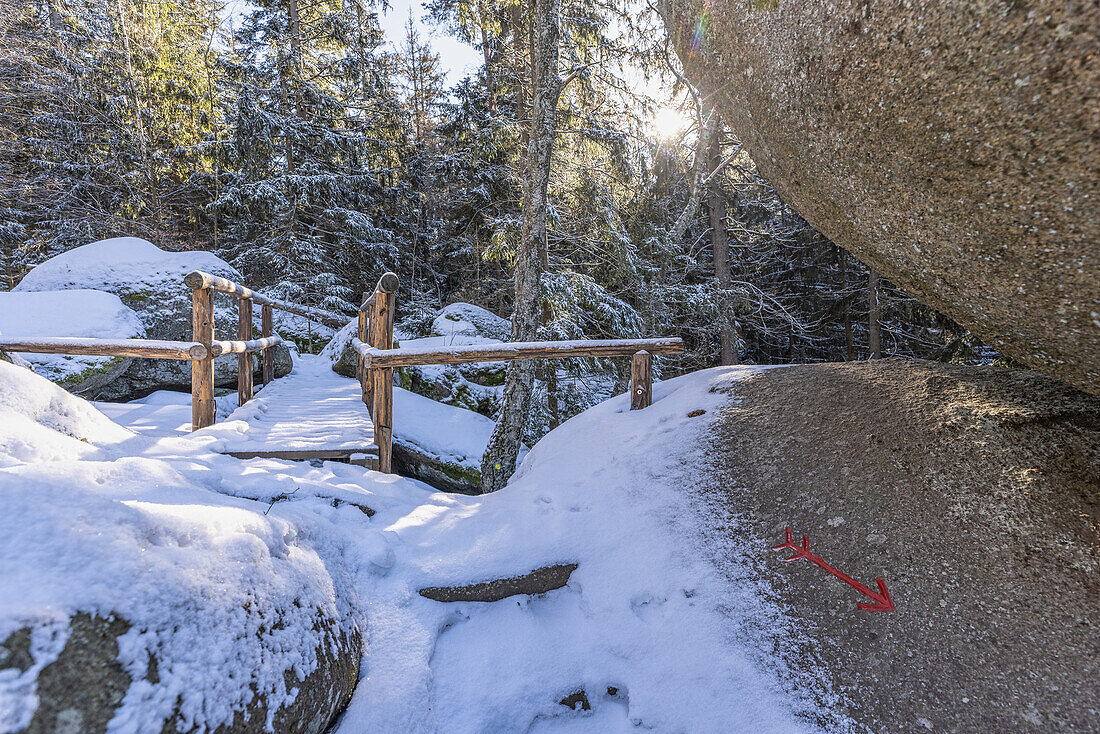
{"x":202,"y":370}
{"x":381,"y":324}
{"x":641,"y":380}
{"x":364,"y":337}
{"x":244,"y":361}
{"x":266,"y":330}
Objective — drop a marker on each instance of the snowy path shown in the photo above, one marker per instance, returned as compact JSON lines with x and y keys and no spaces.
{"x":312,"y":413}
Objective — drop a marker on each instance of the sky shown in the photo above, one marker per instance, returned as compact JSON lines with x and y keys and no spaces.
{"x":456,"y":57}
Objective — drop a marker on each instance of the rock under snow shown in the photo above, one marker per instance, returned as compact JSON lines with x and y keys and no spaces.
{"x":467,"y":319}
{"x":150,"y":282}
{"x":138,"y":599}
{"x":82,"y":313}
{"x":437,"y":443}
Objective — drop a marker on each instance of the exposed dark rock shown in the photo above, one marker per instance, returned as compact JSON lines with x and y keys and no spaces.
{"x":577,"y":700}
{"x":80,"y":691}
{"x":449,"y":476}
{"x":539,"y":581}
{"x":953,"y":147}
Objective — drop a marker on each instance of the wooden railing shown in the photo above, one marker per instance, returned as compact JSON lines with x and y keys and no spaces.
{"x":377,"y":360}
{"x":373,"y":343}
{"x":203,"y":348}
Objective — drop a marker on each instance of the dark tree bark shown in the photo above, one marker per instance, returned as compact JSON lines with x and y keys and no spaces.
{"x":719,"y":245}
{"x":499,"y":461}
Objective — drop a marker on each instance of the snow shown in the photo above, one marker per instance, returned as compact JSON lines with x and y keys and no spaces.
{"x":455,"y":435}
{"x":121,"y":264}
{"x":70,"y":313}
{"x":184,"y":543}
{"x":466,"y":319}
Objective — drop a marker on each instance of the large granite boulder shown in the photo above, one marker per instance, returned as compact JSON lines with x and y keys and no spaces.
{"x":973,"y":492}
{"x":475,"y":386}
{"x":951,"y":146}
{"x":81,"y":313}
{"x":149,"y":281}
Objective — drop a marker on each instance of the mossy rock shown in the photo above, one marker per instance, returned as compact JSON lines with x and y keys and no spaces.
{"x":81,"y":690}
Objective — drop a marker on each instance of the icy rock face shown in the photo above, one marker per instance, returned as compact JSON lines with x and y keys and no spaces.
{"x":149,"y":281}
{"x":81,"y":313}
{"x":950,"y":146}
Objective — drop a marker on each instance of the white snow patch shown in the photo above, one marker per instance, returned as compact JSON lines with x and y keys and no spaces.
{"x":121,"y":264}
{"x":72,"y":313}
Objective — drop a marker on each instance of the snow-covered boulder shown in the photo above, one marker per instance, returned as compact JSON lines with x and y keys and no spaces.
{"x":466,"y":319}
{"x":438,"y":444}
{"x":150,"y":282}
{"x":84,"y":313}
{"x":137,"y":598}
{"x":339,"y":351}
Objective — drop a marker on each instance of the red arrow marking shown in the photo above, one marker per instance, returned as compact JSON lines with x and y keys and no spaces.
{"x":882,"y":602}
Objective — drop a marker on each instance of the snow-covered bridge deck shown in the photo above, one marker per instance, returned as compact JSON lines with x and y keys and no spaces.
{"x":312,"y":413}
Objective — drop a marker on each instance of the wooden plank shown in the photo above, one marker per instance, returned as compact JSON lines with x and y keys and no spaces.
{"x":198,"y":279}
{"x":381,"y":323}
{"x":148,"y":348}
{"x":244,"y":360}
{"x":409,"y":356}
{"x":641,"y":381}
{"x":202,"y":370}
{"x":266,"y":330}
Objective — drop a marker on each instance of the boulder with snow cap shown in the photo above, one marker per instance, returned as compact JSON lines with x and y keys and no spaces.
{"x":80,"y":313}
{"x":149,"y":281}
{"x":136,"y":599}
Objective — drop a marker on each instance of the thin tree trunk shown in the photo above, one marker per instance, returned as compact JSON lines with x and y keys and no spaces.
{"x":499,"y":461}
{"x":873,"y":334}
{"x":848,"y":346}
{"x":720,"y":252}
{"x":707,"y":133}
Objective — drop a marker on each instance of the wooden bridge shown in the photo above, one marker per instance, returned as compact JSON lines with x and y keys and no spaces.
{"x":314,"y":413}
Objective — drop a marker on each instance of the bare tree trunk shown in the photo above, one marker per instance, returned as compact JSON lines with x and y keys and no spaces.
{"x":499,"y":461}
{"x":873,"y":334}
{"x":720,"y":252}
{"x":708,"y":131}
{"x":848,"y":346}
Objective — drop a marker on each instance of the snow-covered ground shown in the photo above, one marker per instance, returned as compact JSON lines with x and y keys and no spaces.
{"x":100,"y":519}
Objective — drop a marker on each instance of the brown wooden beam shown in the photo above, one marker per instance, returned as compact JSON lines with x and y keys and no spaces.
{"x":202,"y":370}
{"x":266,"y":330}
{"x":148,"y":348}
{"x":641,"y":380}
{"x":244,"y":359}
{"x":410,"y":356}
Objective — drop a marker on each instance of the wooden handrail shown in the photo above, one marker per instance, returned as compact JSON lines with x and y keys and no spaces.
{"x":244,"y":347}
{"x":508,"y":351}
{"x":197,"y":279}
{"x":150,"y":348}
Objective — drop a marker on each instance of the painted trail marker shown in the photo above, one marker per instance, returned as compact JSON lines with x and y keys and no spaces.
{"x":881,"y":599}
